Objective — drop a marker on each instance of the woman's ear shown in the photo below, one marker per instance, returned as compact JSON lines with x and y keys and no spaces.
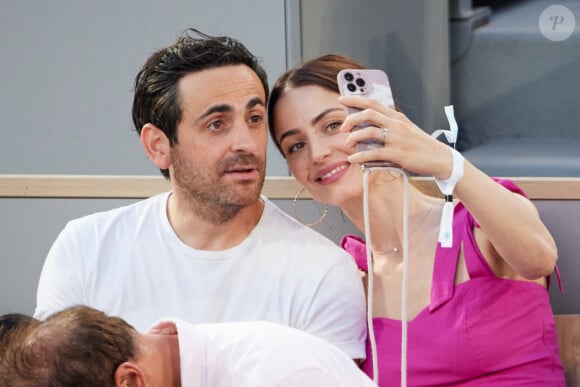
{"x":129,"y":374}
{"x":156,"y":145}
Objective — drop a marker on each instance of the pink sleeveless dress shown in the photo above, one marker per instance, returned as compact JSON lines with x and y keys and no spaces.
{"x":486,"y":331}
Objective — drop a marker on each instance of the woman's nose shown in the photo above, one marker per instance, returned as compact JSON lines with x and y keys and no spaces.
{"x":320,"y":150}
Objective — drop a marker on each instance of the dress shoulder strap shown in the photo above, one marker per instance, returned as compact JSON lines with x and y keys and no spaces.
{"x":445,"y":265}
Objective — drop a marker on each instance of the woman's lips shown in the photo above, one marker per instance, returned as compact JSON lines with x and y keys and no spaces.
{"x":331,"y":174}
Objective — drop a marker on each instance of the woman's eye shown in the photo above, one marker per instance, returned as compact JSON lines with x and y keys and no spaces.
{"x":295,"y":147}
{"x":333,"y":126}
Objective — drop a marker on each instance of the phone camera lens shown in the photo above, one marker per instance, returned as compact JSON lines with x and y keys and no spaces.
{"x":351,"y":87}
{"x":360,"y":82}
{"x":349,"y":77}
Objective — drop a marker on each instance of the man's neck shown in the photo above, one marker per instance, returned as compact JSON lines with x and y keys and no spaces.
{"x":203,"y":233}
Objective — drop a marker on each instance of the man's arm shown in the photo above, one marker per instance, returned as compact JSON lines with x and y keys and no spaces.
{"x":338,"y":309}
{"x":59,"y":285}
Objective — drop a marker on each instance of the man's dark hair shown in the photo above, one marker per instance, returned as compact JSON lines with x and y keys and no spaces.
{"x":78,"y":346}
{"x":156,"y":98}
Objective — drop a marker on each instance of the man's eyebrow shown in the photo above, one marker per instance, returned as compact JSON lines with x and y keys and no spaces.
{"x":222,"y":108}
{"x":255,"y":101}
{"x":323,"y":113}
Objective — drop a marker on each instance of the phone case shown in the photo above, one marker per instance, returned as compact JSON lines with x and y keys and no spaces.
{"x":368,"y":83}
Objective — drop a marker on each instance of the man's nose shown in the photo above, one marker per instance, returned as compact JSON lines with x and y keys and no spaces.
{"x":246,"y":138}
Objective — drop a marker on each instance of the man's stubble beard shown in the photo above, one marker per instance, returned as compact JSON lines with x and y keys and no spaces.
{"x":207,"y":195}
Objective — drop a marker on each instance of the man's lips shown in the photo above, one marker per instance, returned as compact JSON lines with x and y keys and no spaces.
{"x":243,"y":169}
{"x":246,"y":172}
{"x":245,"y":165}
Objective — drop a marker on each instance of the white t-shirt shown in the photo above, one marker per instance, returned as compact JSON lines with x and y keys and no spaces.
{"x":129,"y":262}
{"x":259,"y":354}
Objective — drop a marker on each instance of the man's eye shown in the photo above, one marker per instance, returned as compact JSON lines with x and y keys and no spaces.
{"x":216,"y":126}
{"x":256,"y":119}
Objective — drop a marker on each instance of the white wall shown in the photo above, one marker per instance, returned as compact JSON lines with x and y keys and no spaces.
{"x":68,"y":68}
{"x":409,"y":39}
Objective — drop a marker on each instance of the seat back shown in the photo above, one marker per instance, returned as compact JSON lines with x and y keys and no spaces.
{"x":568,"y":326}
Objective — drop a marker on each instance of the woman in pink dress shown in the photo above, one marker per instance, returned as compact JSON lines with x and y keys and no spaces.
{"x":477,"y":311}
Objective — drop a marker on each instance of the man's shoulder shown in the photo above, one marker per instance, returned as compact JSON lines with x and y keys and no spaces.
{"x":118,"y":214}
{"x":280,"y":221}
{"x":296,"y":236}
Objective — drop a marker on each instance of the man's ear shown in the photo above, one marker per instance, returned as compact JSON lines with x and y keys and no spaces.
{"x":128,"y":374}
{"x":156,"y":145}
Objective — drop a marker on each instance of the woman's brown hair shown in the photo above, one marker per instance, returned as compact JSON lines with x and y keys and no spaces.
{"x":320,"y":71}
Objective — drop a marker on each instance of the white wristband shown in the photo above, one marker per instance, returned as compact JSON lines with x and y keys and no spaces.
{"x":447,"y":187}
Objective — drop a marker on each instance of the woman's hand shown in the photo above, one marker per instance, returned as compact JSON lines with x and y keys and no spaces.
{"x":406,"y":144}
{"x":511,"y":236}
